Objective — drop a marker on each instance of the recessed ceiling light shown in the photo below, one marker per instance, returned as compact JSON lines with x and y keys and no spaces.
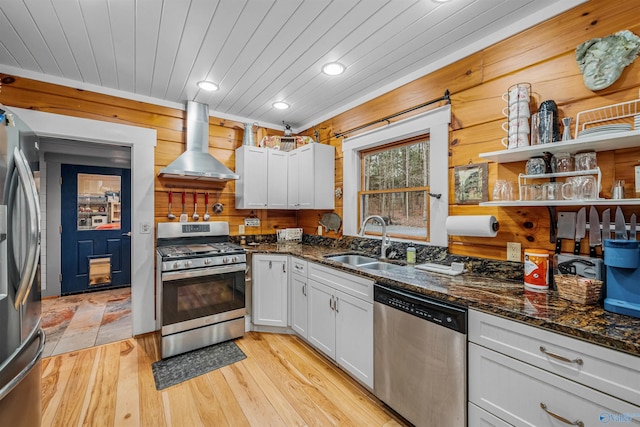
{"x":280,"y":105}
{"x":208,"y":86}
{"x":333,"y":68}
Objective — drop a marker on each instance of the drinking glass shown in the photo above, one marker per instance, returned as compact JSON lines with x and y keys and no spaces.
{"x":562,"y":162}
{"x":586,"y":161}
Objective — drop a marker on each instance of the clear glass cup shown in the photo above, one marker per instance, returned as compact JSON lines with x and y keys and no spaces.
{"x":536,"y":166}
{"x":580,"y":188}
{"x":531,"y":192}
{"x":552,"y":191}
{"x":586,"y":161}
{"x":502,"y":190}
{"x":562,"y":162}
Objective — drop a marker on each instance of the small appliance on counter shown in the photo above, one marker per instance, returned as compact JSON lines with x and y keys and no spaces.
{"x":622,"y":262}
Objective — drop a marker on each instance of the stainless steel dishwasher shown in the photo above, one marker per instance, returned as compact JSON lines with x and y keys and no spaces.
{"x":420,"y":357}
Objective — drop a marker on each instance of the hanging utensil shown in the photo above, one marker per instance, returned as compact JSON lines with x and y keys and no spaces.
{"x":183,"y":216}
{"x":595,"y":238}
{"x":170,"y":215}
{"x":621,"y":226}
{"x":195,"y":215}
{"x":206,"y":215}
{"x":566,"y":228}
{"x":606,"y":224}
{"x":581,"y":229}
{"x":218,"y":207}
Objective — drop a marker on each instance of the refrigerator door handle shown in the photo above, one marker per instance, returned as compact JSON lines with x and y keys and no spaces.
{"x":4,"y":283}
{"x":33,"y":234}
{"x":25,"y":371}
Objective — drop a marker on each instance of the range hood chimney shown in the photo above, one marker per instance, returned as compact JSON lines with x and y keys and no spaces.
{"x":196,"y":162}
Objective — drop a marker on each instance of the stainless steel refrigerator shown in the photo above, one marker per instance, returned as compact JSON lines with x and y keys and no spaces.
{"x":21,"y":337}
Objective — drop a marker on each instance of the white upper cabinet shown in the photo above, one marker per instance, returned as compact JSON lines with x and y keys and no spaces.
{"x":312,"y":172}
{"x":251,"y":188}
{"x":277,"y":179}
{"x":299,"y":179}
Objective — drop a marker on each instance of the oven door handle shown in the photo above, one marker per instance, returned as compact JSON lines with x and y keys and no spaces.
{"x":187,"y":274}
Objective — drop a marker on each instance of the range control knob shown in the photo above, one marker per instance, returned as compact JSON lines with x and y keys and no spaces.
{"x":234,"y":259}
{"x":188,"y":263}
{"x":176,"y":264}
{"x":207,"y":261}
{"x":226,"y":260}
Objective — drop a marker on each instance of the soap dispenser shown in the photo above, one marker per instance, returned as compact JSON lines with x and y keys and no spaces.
{"x":411,"y":255}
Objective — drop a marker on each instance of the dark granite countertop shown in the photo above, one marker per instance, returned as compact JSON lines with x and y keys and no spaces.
{"x":502,"y":297}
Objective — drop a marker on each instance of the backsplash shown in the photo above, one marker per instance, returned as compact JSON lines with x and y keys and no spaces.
{"x":503,"y":270}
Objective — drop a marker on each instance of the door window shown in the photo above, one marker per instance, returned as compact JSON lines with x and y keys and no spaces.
{"x":98,"y":202}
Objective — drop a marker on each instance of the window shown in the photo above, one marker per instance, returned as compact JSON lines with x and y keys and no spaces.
{"x":394,"y":185}
{"x":98,"y":202}
{"x":435,"y":124}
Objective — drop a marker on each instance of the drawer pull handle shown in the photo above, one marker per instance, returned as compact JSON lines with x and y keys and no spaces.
{"x":577,"y":361}
{"x":559,"y":418}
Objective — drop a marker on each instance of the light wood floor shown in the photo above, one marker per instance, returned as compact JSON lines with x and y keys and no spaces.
{"x":282,"y":382}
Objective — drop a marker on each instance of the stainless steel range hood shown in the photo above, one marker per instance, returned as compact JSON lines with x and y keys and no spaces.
{"x":196,"y":162}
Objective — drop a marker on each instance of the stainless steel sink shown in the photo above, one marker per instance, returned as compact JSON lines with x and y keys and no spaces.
{"x":352,"y":259}
{"x":363,"y":261}
{"x":379,"y":265}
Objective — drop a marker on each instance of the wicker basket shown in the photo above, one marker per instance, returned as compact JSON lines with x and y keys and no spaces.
{"x":578,"y":289}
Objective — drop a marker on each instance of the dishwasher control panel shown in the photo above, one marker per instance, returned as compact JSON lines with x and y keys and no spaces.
{"x":431,"y":310}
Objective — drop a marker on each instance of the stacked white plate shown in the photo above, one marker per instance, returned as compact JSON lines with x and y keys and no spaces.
{"x":598,"y":130}
{"x":636,"y":122}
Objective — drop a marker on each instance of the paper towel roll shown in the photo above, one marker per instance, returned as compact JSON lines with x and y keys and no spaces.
{"x":472,"y":225}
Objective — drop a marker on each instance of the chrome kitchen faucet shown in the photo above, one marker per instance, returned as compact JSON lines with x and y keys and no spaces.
{"x":386,"y":242}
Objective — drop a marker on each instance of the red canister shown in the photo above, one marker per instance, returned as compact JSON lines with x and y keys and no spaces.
{"x":536,"y":269}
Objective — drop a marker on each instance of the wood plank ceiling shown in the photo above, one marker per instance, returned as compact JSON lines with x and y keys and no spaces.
{"x":258,"y":51}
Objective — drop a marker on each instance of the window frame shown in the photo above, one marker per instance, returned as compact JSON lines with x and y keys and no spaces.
{"x":362,"y":192}
{"x":436,"y":124}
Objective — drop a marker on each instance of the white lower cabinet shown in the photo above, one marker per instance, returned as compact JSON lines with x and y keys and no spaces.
{"x":522,"y":394}
{"x":354,"y":336}
{"x":322,"y":318}
{"x":341,"y":324}
{"x":269,"y":293}
{"x":525,"y":376}
{"x":298,"y":298}
{"x":478,"y":417}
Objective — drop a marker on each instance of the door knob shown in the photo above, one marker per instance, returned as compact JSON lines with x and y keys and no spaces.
{"x":127,"y":234}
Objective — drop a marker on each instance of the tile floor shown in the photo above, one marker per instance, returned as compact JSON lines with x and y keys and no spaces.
{"x":80,"y":321}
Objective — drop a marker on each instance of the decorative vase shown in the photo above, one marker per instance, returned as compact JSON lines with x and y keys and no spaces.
{"x":247,"y":137}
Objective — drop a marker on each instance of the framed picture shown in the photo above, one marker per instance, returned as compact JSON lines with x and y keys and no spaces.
{"x":471,"y":185}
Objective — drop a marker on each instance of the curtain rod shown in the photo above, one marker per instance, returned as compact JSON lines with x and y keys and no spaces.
{"x":445,"y":97}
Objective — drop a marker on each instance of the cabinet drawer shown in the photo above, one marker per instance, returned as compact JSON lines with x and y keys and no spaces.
{"x":351,"y":284}
{"x":478,"y":417}
{"x":299,"y":266}
{"x":522,"y":394}
{"x":613,"y":372}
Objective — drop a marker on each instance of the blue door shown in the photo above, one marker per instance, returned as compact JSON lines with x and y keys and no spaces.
{"x":96,"y":228}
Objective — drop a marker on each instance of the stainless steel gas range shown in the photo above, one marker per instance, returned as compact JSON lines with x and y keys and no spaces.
{"x":200,"y":298}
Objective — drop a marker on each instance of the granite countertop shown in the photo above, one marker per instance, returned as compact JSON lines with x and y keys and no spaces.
{"x":501,"y":297}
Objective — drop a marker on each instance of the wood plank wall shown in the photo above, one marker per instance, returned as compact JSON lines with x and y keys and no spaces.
{"x":543,"y":56}
{"x":224,"y":137}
